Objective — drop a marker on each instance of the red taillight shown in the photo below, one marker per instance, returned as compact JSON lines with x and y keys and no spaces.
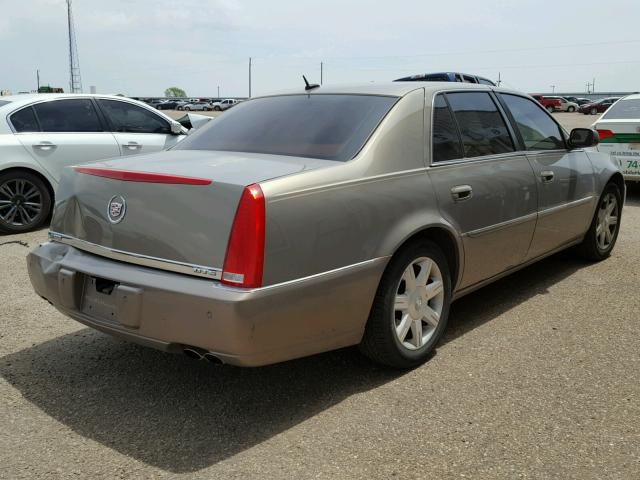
{"x":244,"y":260}
{"x":144,"y":177}
{"x":605,"y":134}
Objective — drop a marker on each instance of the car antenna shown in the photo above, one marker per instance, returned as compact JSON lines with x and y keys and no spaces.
{"x":309,"y":86}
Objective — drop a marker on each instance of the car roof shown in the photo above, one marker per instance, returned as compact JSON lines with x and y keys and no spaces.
{"x":392,"y":89}
{"x":20,"y":100}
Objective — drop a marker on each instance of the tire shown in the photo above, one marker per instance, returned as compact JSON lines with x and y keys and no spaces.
{"x":594,"y":111}
{"x":217,"y":109}
{"x":25,"y":202}
{"x":382,"y":337}
{"x":550,"y":109}
{"x":188,"y":109}
{"x":571,"y":109}
{"x":594,"y":246}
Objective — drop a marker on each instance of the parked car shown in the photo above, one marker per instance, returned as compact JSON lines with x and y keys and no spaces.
{"x":447,"y":77}
{"x":619,"y":130}
{"x":42,"y":134}
{"x":304,"y":222}
{"x":581,"y":101}
{"x":224,"y":104}
{"x":200,"y":105}
{"x":170,"y":104}
{"x":565,"y":105}
{"x":550,"y":104}
{"x":598,"y":106}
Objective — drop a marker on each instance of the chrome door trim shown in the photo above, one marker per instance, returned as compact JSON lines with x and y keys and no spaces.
{"x":557,"y":208}
{"x":137,"y":259}
{"x":509,"y":223}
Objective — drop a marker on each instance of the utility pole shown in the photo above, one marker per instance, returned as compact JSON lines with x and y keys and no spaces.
{"x":553,"y":88}
{"x":38,"y":79}
{"x":321,"y":71}
{"x":499,"y":79}
{"x":218,"y":92}
{"x":593,"y":86}
{"x":249,"y":77}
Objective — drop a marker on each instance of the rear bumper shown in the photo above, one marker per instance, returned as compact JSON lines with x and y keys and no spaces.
{"x":168,"y":311}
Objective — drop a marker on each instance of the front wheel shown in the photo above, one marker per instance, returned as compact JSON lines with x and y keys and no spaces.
{"x":594,"y":111}
{"x":217,"y":109}
{"x":603,"y":232}
{"x":411,"y":307}
{"x":25,"y":202}
{"x":571,"y":109}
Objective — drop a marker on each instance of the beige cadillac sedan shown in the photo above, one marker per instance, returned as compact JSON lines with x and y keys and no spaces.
{"x":317,"y":219}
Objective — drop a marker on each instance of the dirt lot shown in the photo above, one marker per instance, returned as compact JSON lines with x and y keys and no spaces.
{"x":538,"y":377}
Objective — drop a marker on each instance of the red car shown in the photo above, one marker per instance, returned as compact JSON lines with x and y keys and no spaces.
{"x":599,"y":106}
{"x":551,"y":104}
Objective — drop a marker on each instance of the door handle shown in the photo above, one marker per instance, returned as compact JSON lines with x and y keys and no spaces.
{"x":461,"y":193}
{"x":44,"y":146}
{"x":547,"y":176}
{"x":132,"y":146}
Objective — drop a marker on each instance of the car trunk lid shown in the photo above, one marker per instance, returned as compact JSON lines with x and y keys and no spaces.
{"x":175,"y":207}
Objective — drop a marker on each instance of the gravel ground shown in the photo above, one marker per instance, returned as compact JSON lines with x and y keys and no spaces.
{"x":538,"y":377}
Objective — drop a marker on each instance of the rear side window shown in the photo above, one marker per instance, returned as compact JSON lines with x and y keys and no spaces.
{"x":537,"y":129}
{"x":130,"y":118}
{"x":24,"y":121}
{"x":73,"y":115}
{"x":445,"y":139}
{"x":484,"y":81}
{"x":330,"y":127}
{"x":625,"y":109}
{"x":483,"y":130}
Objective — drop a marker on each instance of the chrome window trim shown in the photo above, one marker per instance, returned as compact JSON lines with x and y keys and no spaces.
{"x":137,"y":259}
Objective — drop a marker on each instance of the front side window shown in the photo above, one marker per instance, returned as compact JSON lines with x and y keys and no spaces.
{"x":73,"y":115}
{"x":24,"y":121}
{"x":483,"y":130}
{"x":625,"y":109}
{"x":129,"y":118}
{"x":329,"y":127}
{"x":537,"y":129}
{"x":445,"y":139}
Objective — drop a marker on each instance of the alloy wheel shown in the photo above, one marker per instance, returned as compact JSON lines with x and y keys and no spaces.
{"x":418,"y":304}
{"x":20,"y":202}
{"x":607,"y":221}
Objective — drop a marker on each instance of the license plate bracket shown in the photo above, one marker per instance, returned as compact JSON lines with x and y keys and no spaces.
{"x":112,"y":302}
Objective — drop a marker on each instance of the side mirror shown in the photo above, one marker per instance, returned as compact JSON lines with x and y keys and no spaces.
{"x":583,"y":137}
{"x":176,"y":128}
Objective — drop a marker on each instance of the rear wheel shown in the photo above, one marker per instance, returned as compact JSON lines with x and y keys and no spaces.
{"x":550,"y":109}
{"x":25,"y":202}
{"x":603,"y":232}
{"x":594,"y":111}
{"x":411,"y":307}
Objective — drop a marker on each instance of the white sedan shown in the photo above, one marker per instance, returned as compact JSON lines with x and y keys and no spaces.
{"x":619,"y":130}
{"x":41,"y":134}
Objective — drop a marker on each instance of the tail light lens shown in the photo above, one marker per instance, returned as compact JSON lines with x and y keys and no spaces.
{"x":244,"y":260}
{"x":605,"y":134}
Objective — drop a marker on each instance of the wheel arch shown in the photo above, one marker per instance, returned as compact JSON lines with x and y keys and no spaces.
{"x":618,"y":179}
{"x":449,"y":243}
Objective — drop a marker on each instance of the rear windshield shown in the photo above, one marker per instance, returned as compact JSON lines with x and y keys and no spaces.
{"x":624,"y":109}
{"x":330,"y":127}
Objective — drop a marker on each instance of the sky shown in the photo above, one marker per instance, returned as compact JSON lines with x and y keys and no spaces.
{"x":141,"y":47}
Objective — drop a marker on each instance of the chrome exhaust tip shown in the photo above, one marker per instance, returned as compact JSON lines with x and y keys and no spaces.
{"x":211,"y":358}
{"x":194,"y":352}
